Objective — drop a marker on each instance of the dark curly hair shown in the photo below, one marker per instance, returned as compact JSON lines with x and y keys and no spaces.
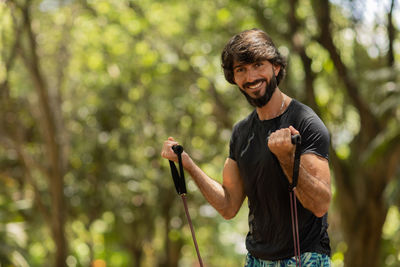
{"x":250,"y":46}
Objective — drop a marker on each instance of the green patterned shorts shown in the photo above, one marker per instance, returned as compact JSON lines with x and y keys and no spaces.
{"x":308,"y":259}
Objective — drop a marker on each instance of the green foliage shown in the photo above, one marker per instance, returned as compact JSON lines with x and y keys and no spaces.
{"x":125,"y":76}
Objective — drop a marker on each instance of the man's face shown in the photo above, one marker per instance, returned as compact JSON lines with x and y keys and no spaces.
{"x":257,"y":81}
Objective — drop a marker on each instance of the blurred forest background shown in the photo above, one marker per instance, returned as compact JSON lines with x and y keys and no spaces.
{"x":90,"y":89}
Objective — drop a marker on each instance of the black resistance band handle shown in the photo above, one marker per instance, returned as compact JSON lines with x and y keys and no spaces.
{"x":179,"y":179}
{"x":178,"y":149}
{"x":296,"y":140}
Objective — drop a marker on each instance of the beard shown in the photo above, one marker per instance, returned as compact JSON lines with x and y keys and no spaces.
{"x":266,"y":97}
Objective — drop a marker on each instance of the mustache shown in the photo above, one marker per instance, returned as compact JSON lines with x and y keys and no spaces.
{"x":253,"y":83}
{"x":263,"y":99}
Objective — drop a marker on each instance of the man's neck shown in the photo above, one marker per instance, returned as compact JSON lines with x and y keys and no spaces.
{"x":275,"y":106}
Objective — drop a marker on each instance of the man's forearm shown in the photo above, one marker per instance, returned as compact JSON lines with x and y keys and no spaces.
{"x":313,"y":193}
{"x":213,"y":191}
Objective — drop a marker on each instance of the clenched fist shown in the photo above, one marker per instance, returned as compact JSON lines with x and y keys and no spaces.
{"x":280,"y":143}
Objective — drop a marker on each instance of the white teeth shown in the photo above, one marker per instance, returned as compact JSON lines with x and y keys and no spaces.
{"x":255,"y":86}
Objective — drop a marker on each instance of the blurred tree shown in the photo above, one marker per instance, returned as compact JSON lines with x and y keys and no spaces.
{"x":370,"y":163}
{"x":90,"y":89}
{"x":363,"y":176}
{"x":50,"y":159}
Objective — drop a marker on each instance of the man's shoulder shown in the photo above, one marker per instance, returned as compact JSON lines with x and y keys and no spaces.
{"x":301,"y":107}
{"x":300,"y":111}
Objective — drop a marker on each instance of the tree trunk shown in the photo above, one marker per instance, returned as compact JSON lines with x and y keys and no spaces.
{"x":361,"y":185}
{"x":51,"y":137}
{"x":58,"y":221}
{"x":138,"y":253}
{"x":362,"y":219}
{"x":363,"y":231}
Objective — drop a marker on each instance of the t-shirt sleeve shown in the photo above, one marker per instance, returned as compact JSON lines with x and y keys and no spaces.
{"x":315,"y":137}
{"x":233,"y":143}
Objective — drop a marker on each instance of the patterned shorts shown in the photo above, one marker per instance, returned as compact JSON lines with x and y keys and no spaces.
{"x":308,"y":259}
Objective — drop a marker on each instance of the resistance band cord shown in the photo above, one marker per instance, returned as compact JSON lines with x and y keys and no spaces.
{"x":296,"y":140}
{"x":180,"y":186}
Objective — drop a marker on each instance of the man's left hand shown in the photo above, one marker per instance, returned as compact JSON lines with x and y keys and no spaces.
{"x":280,"y":143}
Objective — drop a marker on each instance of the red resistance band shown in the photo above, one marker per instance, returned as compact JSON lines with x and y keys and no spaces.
{"x":296,"y":140}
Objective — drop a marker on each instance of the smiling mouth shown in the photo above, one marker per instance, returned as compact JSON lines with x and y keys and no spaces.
{"x":255,"y":85}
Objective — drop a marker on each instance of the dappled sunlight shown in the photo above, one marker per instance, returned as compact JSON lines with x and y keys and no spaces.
{"x":89,"y":91}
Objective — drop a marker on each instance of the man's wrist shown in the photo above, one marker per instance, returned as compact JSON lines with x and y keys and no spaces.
{"x":187,"y":162}
{"x":287,"y":163}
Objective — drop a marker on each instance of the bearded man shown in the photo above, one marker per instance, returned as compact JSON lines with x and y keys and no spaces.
{"x":260,"y":161}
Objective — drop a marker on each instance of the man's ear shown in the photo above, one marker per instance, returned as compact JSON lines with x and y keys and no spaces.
{"x":233,"y":78}
{"x":277,"y":68}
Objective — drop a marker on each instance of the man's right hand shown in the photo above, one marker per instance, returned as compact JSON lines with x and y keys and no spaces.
{"x":226,"y":198}
{"x":167,"y":151}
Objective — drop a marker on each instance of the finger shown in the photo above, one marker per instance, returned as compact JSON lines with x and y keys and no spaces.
{"x":170,"y":142}
{"x":293,"y":131}
{"x":167,"y":151}
{"x":287,"y":136}
{"x":280,"y":137}
{"x":287,"y":132}
{"x":283,"y":133}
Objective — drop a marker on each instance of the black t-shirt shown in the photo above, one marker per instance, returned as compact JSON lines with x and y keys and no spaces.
{"x":270,"y":232}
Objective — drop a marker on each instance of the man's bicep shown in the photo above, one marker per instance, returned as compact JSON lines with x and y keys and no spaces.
{"x":317,"y":166}
{"x":233,"y":183}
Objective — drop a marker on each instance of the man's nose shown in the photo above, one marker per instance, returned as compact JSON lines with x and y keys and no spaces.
{"x":251,"y":76}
